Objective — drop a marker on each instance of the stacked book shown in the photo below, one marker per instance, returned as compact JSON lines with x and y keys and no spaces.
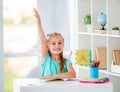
{"x":98,"y":81}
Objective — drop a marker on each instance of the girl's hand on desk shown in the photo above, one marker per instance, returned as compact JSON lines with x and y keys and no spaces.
{"x":48,"y":77}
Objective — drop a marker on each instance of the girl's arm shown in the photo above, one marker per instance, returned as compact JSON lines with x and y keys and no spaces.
{"x":70,"y":74}
{"x":44,"y":48}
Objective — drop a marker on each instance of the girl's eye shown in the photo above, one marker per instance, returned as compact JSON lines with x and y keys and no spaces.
{"x":53,"y":43}
{"x":59,"y":43}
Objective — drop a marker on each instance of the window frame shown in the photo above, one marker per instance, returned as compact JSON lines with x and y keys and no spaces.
{"x":1,"y":49}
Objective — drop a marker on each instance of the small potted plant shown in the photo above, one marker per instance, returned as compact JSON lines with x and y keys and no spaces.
{"x":115,"y":30}
{"x":87,"y":22}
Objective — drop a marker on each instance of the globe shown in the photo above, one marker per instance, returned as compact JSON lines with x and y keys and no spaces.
{"x":102,"y":20}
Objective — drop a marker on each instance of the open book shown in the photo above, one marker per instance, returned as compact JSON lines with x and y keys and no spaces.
{"x":61,"y":79}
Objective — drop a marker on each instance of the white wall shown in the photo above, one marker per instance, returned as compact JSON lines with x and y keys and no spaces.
{"x":1,"y":48}
{"x":54,"y":16}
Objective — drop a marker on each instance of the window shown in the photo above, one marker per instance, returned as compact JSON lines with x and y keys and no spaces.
{"x":20,"y":33}
{"x":21,"y":44}
{"x":17,"y":67}
{"x":20,"y":40}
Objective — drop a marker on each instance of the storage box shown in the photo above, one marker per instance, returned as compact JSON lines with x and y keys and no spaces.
{"x":115,"y":68}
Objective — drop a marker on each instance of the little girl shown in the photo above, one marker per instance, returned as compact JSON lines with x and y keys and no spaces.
{"x":54,"y":65}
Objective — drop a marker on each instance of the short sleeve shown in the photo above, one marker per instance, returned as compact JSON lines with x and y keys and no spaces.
{"x":68,"y":62}
{"x":46,"y":59}
{"x":49,"y":67}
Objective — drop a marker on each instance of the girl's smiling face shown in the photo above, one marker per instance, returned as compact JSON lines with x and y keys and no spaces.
{"x":56,"y":44}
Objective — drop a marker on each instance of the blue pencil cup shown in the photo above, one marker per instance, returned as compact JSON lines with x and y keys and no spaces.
{"x":94,"y":72}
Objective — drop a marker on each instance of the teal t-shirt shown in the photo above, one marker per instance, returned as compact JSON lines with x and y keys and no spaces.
{"x":51,"y":67}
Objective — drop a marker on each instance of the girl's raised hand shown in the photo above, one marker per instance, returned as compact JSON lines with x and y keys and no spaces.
{"x":36,"y":14}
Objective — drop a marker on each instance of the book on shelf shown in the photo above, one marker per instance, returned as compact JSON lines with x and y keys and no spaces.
{"x":101,"y":55}
{"x":100,"y":31}
{"x":95,"y":81}
{"x":116,"y":57}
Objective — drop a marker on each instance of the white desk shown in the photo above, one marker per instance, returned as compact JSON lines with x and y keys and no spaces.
{"x":35,"y":85}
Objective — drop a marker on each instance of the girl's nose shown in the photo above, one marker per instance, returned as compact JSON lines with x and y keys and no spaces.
{"x":57,"y":45}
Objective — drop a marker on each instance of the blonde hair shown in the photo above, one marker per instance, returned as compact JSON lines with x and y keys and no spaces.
{"x":62,"y":59}
{"x":53,"y":34}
